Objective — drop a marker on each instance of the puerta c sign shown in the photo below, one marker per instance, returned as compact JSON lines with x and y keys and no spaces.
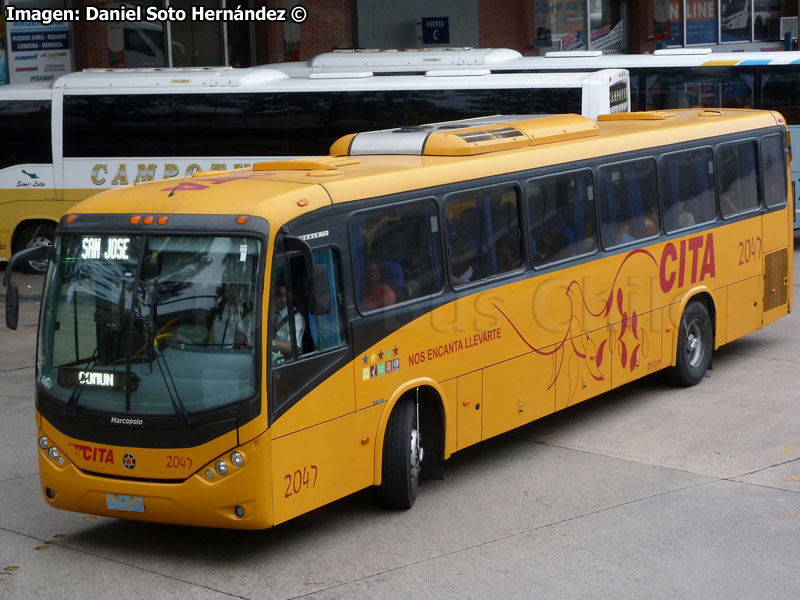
{"x":435,"y":30}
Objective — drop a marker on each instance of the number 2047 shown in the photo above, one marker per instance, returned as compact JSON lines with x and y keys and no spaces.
{"x":300,"y":480}
{"x":749,"y":250}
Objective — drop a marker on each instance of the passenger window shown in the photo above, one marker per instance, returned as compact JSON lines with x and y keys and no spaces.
{"x":736,"y":165}
{"x":628,"y":197}
{"x":483,"y":236}
{"x":773,"y":164}
{"x":562,"y":217}
{"x":396,"y":254}
{"x":294,"y":331}
{"x":687,"y":180}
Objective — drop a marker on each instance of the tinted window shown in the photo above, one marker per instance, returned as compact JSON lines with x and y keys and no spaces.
{"x":229,"y":125}
{"x":429,"y":106}
{"x":736,"y":165}
{"x":483,"y":234}
{"x":25,"y":125}
{"x":396,"y":254}
{"x":773,"y":164}
{"x":129,"y":125}
{"x":687,"y":180}
{"x":561,"y":216}
{"x":780,"y":90}
{"x":319,"y":119}
{"x":628,"y":197}
{"x":729,"y":87}
{"x":175,"y":125}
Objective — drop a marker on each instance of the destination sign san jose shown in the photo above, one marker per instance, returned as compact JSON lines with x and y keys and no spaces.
{"x":102,"y":248}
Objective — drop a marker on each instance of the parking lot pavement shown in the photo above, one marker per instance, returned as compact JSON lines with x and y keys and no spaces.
{"x":645,"y":492}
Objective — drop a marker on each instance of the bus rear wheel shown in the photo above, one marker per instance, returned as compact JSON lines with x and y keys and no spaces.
{"x":695,"y":344}
{"x":35,"y":234}
{"x":402,"y":456}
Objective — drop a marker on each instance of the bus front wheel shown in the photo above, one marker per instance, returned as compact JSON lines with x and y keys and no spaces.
{"x":695,"y":344}
{"x":402,"y":456}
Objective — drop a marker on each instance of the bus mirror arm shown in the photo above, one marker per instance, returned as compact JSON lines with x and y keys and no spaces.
{"x":12,"y":292}
{"x":320,"y":293}
{"x":32,"y":253}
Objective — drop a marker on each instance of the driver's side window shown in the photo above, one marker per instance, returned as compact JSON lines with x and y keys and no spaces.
{"x":294,"y":331}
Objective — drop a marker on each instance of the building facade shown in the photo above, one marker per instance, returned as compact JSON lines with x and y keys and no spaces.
{"x":196,"y":33}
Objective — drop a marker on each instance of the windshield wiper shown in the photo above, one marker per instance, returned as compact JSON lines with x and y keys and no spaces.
{"x":153,"y":345}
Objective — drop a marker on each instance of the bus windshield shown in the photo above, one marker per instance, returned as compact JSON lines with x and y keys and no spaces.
{"x":150,"y":325}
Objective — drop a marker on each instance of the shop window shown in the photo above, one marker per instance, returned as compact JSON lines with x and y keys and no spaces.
{"x":193,"y":43}
{"x":606,"y":26}
{"x":560,"y":25}
{"x":196,"y":43}
{"x":701,"y":22}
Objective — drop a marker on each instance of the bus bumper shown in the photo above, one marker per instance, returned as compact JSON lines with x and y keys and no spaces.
{"x":198,"y":500}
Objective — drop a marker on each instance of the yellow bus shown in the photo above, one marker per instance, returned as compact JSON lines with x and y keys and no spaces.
{"x":233,"y":349}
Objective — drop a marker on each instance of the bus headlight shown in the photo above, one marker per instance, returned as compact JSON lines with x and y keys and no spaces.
{"x":237,"y":459}
{"x":221,"y":467}
{"x":44,"y":442}
{"x":53,"y":452}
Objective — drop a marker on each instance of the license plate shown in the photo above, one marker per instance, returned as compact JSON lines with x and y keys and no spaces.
{"x":125,"y":502}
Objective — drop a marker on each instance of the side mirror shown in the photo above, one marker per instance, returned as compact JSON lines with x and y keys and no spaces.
{"x":320,"y":291}
{"x":12,"y":293}
{"x":12,"y":306}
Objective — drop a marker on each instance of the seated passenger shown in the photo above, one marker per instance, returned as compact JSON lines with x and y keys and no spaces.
{"x":376,"y":293}
{"x":418,"y":272}
{"x":556,"y":243}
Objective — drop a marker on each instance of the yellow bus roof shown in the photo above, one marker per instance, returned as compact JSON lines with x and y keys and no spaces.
{"x":282,"y":190}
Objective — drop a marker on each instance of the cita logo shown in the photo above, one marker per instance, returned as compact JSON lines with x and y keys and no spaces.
{"x":129,"y":461}
{"x":94,"y":453}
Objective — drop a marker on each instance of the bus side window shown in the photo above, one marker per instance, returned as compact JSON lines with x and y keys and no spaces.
{"x":395,"y":254}
{"x":688,"y":195}
{"x":628,"y":202}
{"x":27,"y":123}
{"x":736,"y":165}
{"x":562,"y":217}
{"x":780,"y":90}
{"x":773,"y":165}
{"x":483,"y":235}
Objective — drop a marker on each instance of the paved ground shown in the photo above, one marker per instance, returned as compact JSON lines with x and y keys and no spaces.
{"x":646,"y":492}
